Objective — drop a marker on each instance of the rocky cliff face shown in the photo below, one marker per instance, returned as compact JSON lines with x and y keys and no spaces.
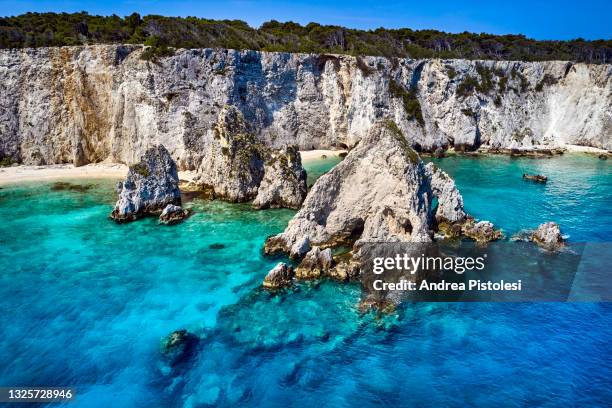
{"x":87,"y":104}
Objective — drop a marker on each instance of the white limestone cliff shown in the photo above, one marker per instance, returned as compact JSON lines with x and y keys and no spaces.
{"x":93,"y":103}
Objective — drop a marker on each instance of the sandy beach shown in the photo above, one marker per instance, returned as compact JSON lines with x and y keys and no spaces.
{"x":584,"y":149}
{"x":310,"y":155}
{"x":17,"y":174}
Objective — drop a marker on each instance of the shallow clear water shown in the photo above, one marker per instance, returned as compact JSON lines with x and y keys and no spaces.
{"x":318,"y":167}
{"x":85,"y":302}
{"x":578,"y":194}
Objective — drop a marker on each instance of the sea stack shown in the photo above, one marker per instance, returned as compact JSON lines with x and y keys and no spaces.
{"x":284,"y":182}
{"x":232,"y":164}
{"x":381,"y":192}
{"x":237,"y":167}
{"x":150,"y":186}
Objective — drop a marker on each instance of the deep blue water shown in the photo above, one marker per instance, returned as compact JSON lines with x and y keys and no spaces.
{"x":84,"y":302}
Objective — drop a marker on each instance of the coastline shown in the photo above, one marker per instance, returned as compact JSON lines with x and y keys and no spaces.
{"x":25,"y":173}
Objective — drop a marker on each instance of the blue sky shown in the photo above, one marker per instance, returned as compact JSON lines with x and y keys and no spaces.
{"x":559,"y":19}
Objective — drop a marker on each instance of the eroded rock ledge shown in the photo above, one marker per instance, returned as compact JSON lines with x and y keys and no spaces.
{"x":381,"y":192}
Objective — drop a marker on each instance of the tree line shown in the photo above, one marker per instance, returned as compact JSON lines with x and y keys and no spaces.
{"x":163,"y":33}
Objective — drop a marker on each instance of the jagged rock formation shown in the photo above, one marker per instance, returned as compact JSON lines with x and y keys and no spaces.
{"x":450,"y":201}
{"x":345,"y":267}
{"x":280,"y":276}
{"x":373,"y":194}
{"x":284,"y":182}
{"x":480,"y":231}
{"x":548,"y":236}
{"x":150,"y":186}
{"x":237,"y":167}
{"x":381,"y":192}
{"x":317,"y":262}
{"x":173,"y":214}
{"x":232,"y":164}
{"x":87,"y":104}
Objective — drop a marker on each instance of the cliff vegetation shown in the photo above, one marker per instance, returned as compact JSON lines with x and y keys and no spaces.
{"x":162,"y":33}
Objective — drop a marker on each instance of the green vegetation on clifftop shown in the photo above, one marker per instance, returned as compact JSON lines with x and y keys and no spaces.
{"x":58,"y":29}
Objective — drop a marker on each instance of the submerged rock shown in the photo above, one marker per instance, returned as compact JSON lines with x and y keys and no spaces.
{"x":281,"y":275}
{"x":381,"y":305}
{"x":178,"y":346}
{"x":150,"y":186}
{"x":173,"y":214}
{"x":65,"y":186}
{"x":535,"y":177}
{"x":548,"y":236}
{"x":316,"y":263}
{"x":284,"y":182}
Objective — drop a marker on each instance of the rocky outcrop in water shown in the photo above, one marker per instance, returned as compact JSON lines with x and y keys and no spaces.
{"x":479,"y":231}
{"x":150,"y":186}
{"x":376,"y":193}
{"x":284,"y":182}
{"x":232,"y":165}
{"x":345,"y":268}
{"x":280,"y":276}
{"x":538,"y":178}
{"x":450,"y":201}
{"x":381,"y":192}
{"x":87,"y":104}
{"x":173,"y":214}
{"x":237,"y":167}
{"x":316,"y":263}
{"x":548,"y":236}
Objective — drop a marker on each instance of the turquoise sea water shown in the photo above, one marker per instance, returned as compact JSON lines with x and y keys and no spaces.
{"x":84,"y":302}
